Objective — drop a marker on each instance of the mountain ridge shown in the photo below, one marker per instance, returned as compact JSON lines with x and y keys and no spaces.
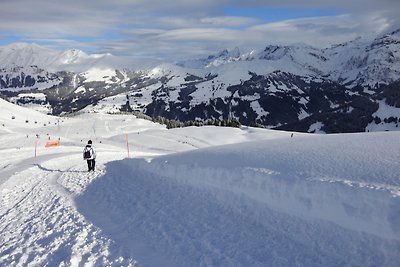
{"x":274,"y":86}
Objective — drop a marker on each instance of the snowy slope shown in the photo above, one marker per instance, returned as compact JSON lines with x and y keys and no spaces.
{"x":282,"y":202}
{"x":229,"y":197}
{"x":22,"y":54}
{"x":12,"y":117}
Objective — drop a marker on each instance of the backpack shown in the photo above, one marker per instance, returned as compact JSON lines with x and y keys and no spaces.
{"x":86,"y":154}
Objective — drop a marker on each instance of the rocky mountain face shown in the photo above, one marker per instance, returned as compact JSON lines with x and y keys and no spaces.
{"x":349,"y":87}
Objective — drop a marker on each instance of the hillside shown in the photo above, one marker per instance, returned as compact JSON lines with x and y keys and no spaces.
{"x":197,"y":196}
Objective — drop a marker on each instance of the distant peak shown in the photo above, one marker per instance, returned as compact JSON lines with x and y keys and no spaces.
{"x":74,"y":52}
{"x":22,"y":45}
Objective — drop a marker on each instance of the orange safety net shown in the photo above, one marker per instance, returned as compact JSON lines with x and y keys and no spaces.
{"x":52,"y":143}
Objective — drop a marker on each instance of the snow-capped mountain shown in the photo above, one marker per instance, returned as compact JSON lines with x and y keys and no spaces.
{"x":223,"y":57}
{"x":359,"y":62}
{"x":69,"y":80}
{"x":278,"y":86}
{"x":24,"y":55}
{"x":74,"y":60}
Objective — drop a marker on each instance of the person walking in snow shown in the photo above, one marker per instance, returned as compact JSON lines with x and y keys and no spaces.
{"x":89,"y":154}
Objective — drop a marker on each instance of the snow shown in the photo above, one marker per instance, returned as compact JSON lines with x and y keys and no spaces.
{"x":24,"y":54}
{"x":361,"y":61}
{"x":38,"y":96}
{"x":386,"y":111}
{"x":316,"y":127}
{"x":97,"y":74}
{"x":303,"y":114}
{"x":255,"y":105}
{"x":196,"y":196}
{"x":80,"y":89}
{"x":41,"y":107}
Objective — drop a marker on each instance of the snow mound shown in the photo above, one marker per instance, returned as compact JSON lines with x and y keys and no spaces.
{"x":309,"y":200}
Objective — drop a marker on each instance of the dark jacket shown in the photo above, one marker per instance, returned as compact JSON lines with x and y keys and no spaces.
{"x":91,"y":150}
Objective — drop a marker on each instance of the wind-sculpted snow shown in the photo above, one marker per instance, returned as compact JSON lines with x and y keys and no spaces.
{"x":304,"y":201}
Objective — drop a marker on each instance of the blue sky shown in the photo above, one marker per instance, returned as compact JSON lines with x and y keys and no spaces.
{"x":181,"y":28}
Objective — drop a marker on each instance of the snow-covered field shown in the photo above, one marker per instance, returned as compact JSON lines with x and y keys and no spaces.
{"x":194,"y":196}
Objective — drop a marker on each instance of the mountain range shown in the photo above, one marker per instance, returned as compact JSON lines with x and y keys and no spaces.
{"x":349,"y":87}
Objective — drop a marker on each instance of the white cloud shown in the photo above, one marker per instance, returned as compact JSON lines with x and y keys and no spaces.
{"x":199,"y":34}
{"x":324,"y":31}
{"x":229,"y":21}
{"x":171,"y":29}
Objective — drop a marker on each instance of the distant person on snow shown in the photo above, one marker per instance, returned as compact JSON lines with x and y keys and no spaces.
{"x":89,"y":154}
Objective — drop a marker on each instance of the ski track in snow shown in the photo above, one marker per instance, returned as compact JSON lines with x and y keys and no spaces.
{"x":41,"y":224}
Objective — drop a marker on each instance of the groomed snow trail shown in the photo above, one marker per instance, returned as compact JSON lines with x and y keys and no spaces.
{"x":40,"y":225}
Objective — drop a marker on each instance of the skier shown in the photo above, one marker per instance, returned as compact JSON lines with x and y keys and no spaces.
{"x":89,"y":154}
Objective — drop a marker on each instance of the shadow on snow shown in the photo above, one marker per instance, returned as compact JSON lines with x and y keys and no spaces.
{"x":160,"y":221}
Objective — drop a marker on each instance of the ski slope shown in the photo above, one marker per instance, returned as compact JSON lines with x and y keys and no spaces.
{"x":194,"y":196}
